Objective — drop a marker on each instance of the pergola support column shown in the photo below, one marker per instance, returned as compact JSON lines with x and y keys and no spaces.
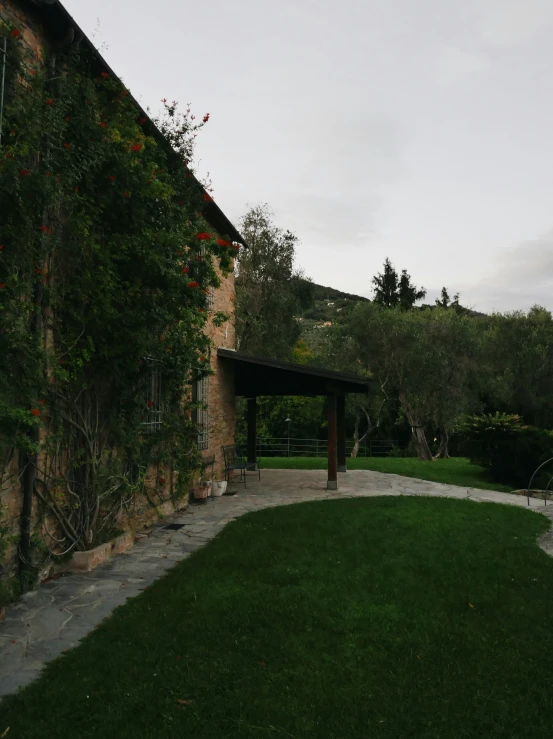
{"x":332,"y":483}
{"x":341,"y":432}
{"x":252,"y":432}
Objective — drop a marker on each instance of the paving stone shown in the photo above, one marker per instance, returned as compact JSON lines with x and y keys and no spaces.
{"x":47,"y":650}
{"x":48,"y":622}
{"x":15,"y":680}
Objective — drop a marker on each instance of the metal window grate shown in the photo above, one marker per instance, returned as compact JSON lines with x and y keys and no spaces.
{"x":210,"y":298}
{"x":200,"y":394}
{"x":152,"y":395}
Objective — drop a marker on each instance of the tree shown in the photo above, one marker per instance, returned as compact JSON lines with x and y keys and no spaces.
{"x":270,"y":292}
{"x":445,"y":301}
{"x":519,"y":364}
{"x":391,"y":291}
{"x":427,"y":359}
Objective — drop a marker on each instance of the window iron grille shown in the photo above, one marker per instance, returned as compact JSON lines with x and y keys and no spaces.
{"x":200,"y":395}
{"x":152,"y":395}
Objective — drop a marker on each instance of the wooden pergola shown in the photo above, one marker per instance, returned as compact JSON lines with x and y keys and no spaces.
{"x":257,"y":376}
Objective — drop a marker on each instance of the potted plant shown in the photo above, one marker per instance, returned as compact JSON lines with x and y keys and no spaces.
{"x":218,"y":487}
{"x":201,"y":490}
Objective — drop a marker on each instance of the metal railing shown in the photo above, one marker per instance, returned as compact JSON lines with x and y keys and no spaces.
{"x":293,"y":447}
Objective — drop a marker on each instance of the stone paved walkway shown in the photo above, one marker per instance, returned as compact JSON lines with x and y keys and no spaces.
{"x":46,"y":622}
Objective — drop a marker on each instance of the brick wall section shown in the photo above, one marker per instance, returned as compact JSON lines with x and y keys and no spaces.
{"x":222,"y":410}
{"x":31,"y":30}
{"x":222,"y":419}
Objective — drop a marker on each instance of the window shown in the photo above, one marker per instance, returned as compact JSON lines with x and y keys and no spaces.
{"x":200,"y":394}
{"x":210,"y":298}
{"x":152,"y":395}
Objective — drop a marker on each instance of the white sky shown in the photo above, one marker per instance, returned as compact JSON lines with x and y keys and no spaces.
{"x":421,"y":131}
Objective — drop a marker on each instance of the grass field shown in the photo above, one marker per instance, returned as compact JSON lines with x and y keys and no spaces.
{"x":454,"y":471}
{"x":386,"y":617}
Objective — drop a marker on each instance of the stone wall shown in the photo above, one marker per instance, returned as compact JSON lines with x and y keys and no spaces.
{"x":34,"y":38}
{"x":31,"y":30}
{"x":222,"y":409}
{"x":156,"y":501}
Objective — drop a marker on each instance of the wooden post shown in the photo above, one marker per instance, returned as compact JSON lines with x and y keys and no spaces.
{"x":252,"y":431}
{"x":332,"y":483}
{"x":341,"y":433}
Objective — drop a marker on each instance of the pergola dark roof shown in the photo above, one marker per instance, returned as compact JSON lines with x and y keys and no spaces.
{"x":257,"y":376}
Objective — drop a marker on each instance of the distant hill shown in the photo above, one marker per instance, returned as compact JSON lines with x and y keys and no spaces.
{"x":329,"y":304}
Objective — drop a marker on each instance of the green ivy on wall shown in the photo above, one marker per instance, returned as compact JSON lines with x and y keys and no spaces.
{"x":105,"y":260}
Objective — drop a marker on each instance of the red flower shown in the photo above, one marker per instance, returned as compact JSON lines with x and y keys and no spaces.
{"x":48,"y":174}
{"x":136,"y":147}
{"x":192,"y":284}
{"x":67,"y":119}
{"x":2,"y":285}
{"x":126,"y":194}
{"x":208,"y":198}
{"x":198,"y":258}
{"x":35,"y":412}
{"x":202,"y":359}
{"x":1,"y":247}
{"x":203,"y":236}
{"x":179,"y":253}
{"x":103,"y":124}
{"x":76,"y":188}
{"x":222,"y":242}
{"x":67,"y":146}
{"x":206,"y":118}
{"x":24,"y":172}
{"x":236,"y":246}
{"x":32,"y":72}
{"x":38,"y":271}
{"x":185,"y":270}
{"x":45,"y":229}
{"x":112,"y":177}
{"x":164,"y":100}
{"x":43,"y":401}
{"x":150,"y":404}
{"x":15,"y":33}
{"x":105,"y":75}
{"x":142,"y":121}
{"x":49,"y":101}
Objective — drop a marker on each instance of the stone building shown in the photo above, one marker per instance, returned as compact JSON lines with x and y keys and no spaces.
{"x":46,"y":25}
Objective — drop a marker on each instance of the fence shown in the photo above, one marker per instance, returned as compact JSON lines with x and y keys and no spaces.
{"x":285,"y":447}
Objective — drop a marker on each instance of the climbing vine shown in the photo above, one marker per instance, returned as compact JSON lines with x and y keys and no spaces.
{"x":105,"y":263}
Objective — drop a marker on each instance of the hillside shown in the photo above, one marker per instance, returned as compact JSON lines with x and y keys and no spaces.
{"x":327,"y":306}
{"x":330,"y":304}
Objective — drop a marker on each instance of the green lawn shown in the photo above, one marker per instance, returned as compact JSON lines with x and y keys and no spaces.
{"x":386,"y":618}
{"x":454,"y":471}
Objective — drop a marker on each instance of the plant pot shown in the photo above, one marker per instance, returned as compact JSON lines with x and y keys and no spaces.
{"x":201,"y":492}
{"x":218,"y":488}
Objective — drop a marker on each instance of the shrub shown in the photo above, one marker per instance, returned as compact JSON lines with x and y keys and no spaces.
{"x":510,"y":450}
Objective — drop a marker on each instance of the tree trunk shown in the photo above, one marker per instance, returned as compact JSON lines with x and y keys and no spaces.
{"x":417,"y":429}
{"x":443,"y":451}
{"x":356,"y":440}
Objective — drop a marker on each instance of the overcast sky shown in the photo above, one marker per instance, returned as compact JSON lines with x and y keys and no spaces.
{"x":421,"y":131}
